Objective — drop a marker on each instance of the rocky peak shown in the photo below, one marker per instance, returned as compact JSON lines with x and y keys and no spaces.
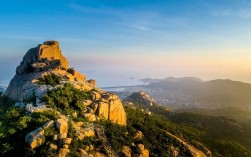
{"x":46,"y":56}
{"x":44,"y":68}
{"x":45,"y":59}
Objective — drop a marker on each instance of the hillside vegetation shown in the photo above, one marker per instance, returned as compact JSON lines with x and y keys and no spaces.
{"x":221,"y":135}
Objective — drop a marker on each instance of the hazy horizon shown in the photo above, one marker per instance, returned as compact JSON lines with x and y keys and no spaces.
{"x":114,"y":41}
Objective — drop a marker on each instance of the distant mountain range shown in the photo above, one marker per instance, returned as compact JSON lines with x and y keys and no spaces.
{"x":191,"y":92}
{"x":171,"y":79}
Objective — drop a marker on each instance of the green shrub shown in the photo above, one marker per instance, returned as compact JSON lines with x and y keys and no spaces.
{"x":67,"y":98}
{"x":51,"y":79}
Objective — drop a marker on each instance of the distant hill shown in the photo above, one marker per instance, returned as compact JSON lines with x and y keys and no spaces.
{"x":223,"y":136}
{"x":195,"y":93}
{"x":171,"y":79}
{"x":179,"y":79}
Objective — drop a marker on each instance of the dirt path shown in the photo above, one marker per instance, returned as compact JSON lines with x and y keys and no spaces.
{"x":194,"y":151}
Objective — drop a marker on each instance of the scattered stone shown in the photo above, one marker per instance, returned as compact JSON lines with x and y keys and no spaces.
{"x":75,"y":114}
{"x":98,"y":154}
{"x":79,"y":124}
{"x":89,"y":132}
{"x":90,"y":117}
{"x":126,"y":151}
{"x":87,"y":148}
{"x":139,"y":135}
{"x":63,"y":152}
{"x":145,"y":153}
{"x":62,"y":126}
{"x":67,"y":141}
{"x":55,"y":137}
{"x":80,"y":136}
{"x":91,"y":147}
{"x":140,"y":148}
{"x":83,"y":153}
{"x":87,"y":103}
{"x":53,"y":146}
{"x":174,"y":151}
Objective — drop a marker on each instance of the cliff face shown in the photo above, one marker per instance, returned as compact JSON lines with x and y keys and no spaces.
{"x":46,"y":59}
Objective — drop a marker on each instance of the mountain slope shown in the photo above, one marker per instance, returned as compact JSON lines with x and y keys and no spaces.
{"x":223,"y":136}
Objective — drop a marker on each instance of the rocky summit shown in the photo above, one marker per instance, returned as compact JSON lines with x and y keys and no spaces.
{"x":33,"y":77}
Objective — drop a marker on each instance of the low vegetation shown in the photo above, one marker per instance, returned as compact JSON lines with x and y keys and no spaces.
{"x":223,"y":136}
{"x":14,"y":125}
{"x":66,"y":98}
{"x":50,"y":79}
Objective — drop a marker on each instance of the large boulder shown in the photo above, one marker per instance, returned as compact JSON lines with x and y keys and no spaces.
{"x":110,"y":107}
{"x":35,"y":138}
{"x":62,"y":126}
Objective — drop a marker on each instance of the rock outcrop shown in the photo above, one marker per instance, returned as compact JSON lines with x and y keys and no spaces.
{"x":109,"y":107}
{"x":46,"y":59}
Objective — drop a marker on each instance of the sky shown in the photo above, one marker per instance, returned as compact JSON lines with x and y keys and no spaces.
{"x":118,"y":42}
